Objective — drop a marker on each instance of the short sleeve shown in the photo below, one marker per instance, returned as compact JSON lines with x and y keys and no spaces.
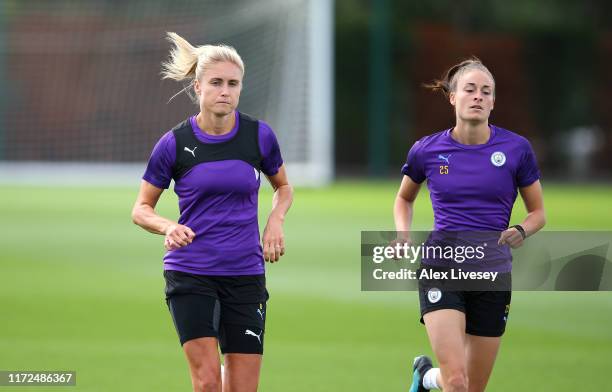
{"x":414,"y":167}
{"x":159,"y":167}
{"x":527,"y":172}
{"x":270,"y":150}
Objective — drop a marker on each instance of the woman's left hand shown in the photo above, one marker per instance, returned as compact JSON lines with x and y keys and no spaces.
{"x":273,"y":240}
{"x":511,"y":237}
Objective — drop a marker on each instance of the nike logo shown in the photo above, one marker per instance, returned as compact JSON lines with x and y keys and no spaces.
{"x":443,"y":158}
{"x":191,"y":151}
{"x":251,"y":333}
{"x":260,"y":313}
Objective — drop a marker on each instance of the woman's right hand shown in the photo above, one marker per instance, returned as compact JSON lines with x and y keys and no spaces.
{"x":178,"y":236}
{"x":402,"y":239}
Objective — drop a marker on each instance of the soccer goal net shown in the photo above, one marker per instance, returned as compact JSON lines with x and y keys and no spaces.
{"x":82,"y":100}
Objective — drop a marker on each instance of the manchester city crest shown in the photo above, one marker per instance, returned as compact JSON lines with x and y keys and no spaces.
{"x":434,"y":294}
{"x":498,"y":158}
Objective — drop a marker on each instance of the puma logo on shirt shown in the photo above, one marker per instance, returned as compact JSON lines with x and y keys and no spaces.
{"x":191,"y":151}
{"x":444,"y":158}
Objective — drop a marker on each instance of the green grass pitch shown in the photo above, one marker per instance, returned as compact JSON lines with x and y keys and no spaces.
{"x":81,"y":288}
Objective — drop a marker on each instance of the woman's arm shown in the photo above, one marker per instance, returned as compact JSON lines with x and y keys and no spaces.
{"x":534,"y":203}
{"x":403,"y":207}
{"x":144,"y":215}
{"x":273,"y":239}
{"x":535,"y":220}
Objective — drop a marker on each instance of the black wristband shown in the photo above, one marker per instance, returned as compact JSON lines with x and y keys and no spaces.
{"x":520,"y":230}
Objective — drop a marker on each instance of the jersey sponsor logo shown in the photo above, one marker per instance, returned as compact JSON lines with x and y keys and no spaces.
{"x":498,"y":158}
{"x":434,"y":295}
{"x":251,"y":333}
{"x":191,"y":151}
{"x":444,"y":158}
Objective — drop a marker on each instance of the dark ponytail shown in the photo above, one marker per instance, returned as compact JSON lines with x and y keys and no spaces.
{"x":448,"y":82}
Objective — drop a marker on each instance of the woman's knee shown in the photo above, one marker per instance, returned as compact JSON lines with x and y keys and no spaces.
{"x":207,"y":379}
{"x":456,"y":380}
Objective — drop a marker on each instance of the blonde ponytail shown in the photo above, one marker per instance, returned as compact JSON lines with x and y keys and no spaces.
{"x":183,"y":59}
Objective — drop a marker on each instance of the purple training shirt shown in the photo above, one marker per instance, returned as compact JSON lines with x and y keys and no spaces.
{"x":218,"y":201}
{"x":473,"y":187}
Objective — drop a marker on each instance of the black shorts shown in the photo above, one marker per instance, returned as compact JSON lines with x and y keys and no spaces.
{"x":229,"y":308}
{"x":486,"y":312}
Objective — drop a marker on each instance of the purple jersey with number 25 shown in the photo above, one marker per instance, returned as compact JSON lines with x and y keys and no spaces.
{"x":473,"y":187}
